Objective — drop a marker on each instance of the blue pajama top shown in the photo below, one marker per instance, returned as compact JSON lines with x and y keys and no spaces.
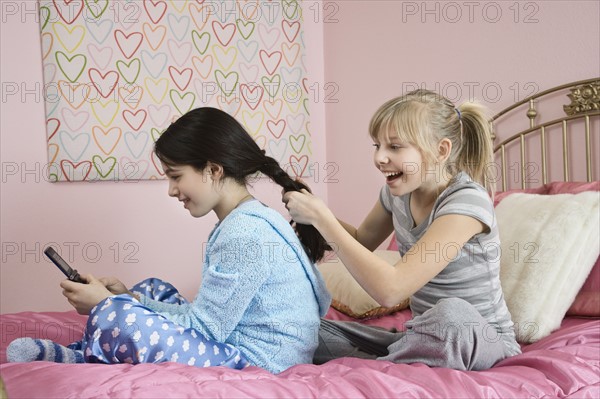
{"x":260,"y":292}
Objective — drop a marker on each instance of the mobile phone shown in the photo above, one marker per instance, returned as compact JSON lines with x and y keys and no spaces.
{"x":63,"y":266}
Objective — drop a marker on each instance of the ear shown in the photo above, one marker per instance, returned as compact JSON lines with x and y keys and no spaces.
{"x":214,"y":170}
{"x":444,"y":149}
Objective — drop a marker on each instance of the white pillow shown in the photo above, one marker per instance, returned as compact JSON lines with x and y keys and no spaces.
{"x":549,"y":245}
{"x":348,"y":296}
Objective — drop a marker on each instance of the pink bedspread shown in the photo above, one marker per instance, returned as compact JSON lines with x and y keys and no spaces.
{"x":565,"y":364}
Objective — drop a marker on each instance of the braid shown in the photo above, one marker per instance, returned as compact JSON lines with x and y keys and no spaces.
{"x":313,"y":242}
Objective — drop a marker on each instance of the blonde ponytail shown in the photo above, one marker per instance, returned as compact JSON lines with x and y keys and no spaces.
{"x":476,"y":153}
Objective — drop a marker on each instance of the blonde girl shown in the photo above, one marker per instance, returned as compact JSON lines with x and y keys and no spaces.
{"x":433,"y":158}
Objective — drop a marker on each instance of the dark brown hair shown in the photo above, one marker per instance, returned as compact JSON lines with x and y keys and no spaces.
{"x":210,"y":135}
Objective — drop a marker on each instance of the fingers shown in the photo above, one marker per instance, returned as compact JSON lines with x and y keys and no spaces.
{"x":287,"y":196}
{"x":84,"y":296}
{"x":299,"y":180}
{"x":109,"y":281}
{"x":70,"y":295}
{"x":71,"y":286}
{"x":68,"y":286}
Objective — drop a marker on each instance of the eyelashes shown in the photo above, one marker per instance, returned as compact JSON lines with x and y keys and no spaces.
{"x":393,"y":146}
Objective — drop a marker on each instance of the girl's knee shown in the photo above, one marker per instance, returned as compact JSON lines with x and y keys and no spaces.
{"x":157,"y":289}
{"x":456,"y":308}
{"x":447,"y":313}
{"x":117,"y":313}
{"x":452,"y":303}
{"x":152,"y":284}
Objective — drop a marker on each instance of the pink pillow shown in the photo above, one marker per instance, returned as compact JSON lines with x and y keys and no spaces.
{"x":587,"y":302}
{"x":572,"y":187}
{"x":499,"y":196}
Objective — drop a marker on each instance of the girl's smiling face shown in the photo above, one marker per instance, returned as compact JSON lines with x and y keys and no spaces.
{"x":195,"y":189}
{"x":400,"y":162}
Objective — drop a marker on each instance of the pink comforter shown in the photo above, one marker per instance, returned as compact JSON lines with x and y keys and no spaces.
{"x":565,"y":364}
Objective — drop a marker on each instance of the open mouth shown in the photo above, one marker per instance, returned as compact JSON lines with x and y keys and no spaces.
{"x":391,"y":176}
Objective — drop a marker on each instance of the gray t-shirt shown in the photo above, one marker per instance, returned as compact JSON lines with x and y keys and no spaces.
{"x":474,"y":275}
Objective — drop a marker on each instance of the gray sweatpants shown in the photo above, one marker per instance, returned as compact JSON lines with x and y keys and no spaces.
{"x":451,"y":334}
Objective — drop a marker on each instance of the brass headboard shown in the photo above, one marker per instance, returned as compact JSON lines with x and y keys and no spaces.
{"x":583,"y":109}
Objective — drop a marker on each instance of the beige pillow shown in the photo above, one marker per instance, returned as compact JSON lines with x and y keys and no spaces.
{"x":348,"y":296}
{"x":549,"y":244}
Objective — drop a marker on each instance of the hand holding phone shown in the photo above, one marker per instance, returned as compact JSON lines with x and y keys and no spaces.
{"x":64,"y":267}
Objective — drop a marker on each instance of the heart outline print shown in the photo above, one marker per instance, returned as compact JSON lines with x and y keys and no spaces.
{"x":123,"y":71}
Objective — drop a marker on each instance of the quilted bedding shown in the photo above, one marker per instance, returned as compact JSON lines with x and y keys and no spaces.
{"x":564,"y":364}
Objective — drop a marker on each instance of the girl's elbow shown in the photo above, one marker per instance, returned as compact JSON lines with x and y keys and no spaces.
{"x":393,"y":292}
{"x":391,"y":300}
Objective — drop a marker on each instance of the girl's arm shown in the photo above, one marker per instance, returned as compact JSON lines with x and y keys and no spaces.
{"x":376,"y":227}
{"x":388,"y":285}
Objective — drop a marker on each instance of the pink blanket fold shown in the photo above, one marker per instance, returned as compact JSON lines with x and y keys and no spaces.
{"x":565,"y":364}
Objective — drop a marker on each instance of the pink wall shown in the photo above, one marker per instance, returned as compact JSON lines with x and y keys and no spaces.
{"x":375,"y":50}
{"x":134,"y":229}
{"x":360,"y":53}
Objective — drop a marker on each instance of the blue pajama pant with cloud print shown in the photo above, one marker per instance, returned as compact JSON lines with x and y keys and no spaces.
{"x":122,"y":330}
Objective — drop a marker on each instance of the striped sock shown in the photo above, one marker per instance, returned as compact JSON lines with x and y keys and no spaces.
{"x":29,"y":350}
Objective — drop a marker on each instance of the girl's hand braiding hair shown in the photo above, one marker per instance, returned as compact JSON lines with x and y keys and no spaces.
{"x":299,"y":180}
{"x":304,"y":207}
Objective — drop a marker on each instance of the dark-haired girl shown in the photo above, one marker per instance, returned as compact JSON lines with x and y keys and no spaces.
{"x":261,"y":297}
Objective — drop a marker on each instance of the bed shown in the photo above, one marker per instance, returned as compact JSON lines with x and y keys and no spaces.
{"x":560,"y":339}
